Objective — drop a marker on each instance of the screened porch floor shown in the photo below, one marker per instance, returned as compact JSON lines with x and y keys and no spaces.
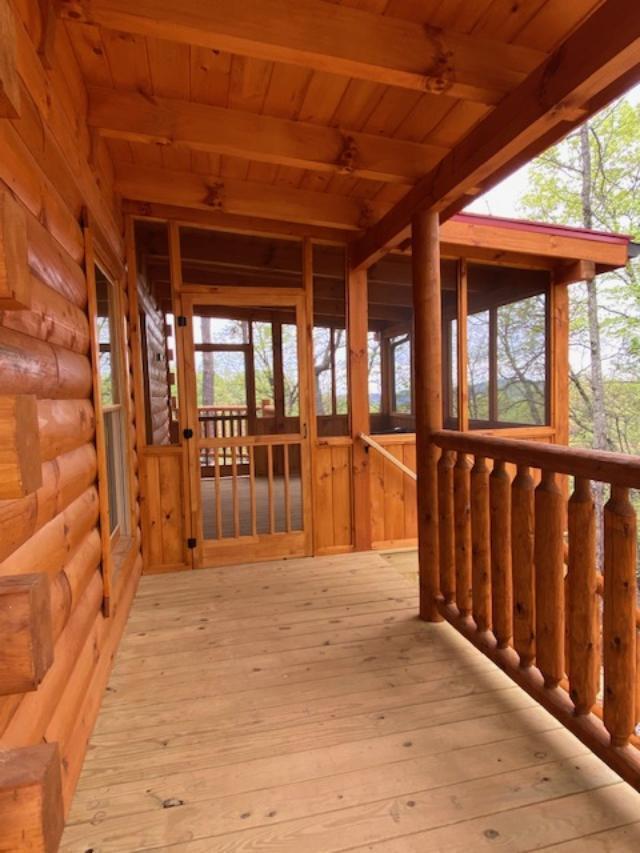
{"x":300,"y":707}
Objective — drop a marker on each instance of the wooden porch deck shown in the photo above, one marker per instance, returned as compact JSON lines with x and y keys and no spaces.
{"x":300,"y":707}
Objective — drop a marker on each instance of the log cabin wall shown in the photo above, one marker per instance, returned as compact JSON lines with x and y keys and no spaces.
{"x":64,"y":592}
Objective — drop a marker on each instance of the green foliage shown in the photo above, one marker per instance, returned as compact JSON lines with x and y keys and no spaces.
{"x":555,"y":195}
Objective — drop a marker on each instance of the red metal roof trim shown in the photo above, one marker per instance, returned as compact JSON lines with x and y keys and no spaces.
{"x":540,"y":227}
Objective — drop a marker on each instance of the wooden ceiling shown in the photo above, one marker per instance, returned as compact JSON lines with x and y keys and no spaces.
{"x":280,"y":109}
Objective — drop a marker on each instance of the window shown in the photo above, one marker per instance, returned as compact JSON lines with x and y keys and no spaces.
{"x":111,"y":390}
{"x":507,"y":352}
{"x":330,"y":355}
{"x":401,"y":385}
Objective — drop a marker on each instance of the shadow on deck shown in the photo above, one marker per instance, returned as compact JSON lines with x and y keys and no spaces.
{"x":301,"y":707}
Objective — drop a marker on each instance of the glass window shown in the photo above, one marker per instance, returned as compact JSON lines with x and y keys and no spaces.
{"x":478,"y":365}
{"x":374,"y":340}
{"x":110,"y":373}
{"x":330,"y":359}
{"x":262,"y":340}
{"x":401,"y":391}
{"x":507,"y":346}
{"x":290,"y":370}
{"x":521,"y":351}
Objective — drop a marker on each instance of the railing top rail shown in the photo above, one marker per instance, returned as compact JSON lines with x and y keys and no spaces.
{"x":384,"y":452}
{"x":600,"y":465}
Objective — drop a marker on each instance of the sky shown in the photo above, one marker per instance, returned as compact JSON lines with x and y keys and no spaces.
{"x":502,"y":200}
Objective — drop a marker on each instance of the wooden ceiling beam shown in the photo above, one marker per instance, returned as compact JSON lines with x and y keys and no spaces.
{"x":601,"y":55}
{"x":138,"y":117}
{"x":247,"y":198}
{"x":483,"y":241}
{"x":326,"y":37}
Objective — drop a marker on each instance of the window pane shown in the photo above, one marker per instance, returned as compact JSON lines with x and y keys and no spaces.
{"x":375,"y":372}
{"x":113,"y":472}
{"x":340,"y":358}
{"x":263,"y":366}
{"x":521,"y":328}
{"x":330,"y":341}
{"x":401,"y":360}
{"x":290,"y":370}
{"x":453,"y":369}
{"x":219,"y":330}
{"x":478,"y":349}
{"x":220,"y":379}
{"x":105,"y":296}
{"x":322,"y":370}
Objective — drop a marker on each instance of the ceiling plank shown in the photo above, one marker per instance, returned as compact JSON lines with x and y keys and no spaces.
{"x":598,"y":58}
{"x":138,"y":117}
{"x":327,"y":37}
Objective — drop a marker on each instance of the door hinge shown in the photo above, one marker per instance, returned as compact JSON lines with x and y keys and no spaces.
{"x":182,"y":320}
{"x":191,"y":543}
{"x":187,"y":433}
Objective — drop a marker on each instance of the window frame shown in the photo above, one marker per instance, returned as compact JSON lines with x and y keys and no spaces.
{"x":493,"y":421}
{"x":116,"y":544}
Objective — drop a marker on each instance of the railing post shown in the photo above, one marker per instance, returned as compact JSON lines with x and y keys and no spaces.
{"x":462,"y":527}
{"x":619,"y":616}
{"x":549,"y":579}
{"x":425,"y":238}
{"x":582,"y":604}
{"x":501,"y":585}
{"x":522,"y":533}
{"x":481,"y":545}
{"x":446,"y":522}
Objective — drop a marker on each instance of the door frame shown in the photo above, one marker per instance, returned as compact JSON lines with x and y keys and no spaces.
{"x":251,"y":548}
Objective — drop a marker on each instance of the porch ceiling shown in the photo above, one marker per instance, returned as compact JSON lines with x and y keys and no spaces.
{"x":329,"y":113}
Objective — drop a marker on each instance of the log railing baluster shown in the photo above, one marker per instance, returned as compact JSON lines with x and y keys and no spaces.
{"x":480,"y":545}
{"x":522,"y":537}
{"x":549,"y":586}
{"x":531,"y":601}
{"x":462,"y":527}
{"x":619,"y":616}
{"x":446,"y":522}
{"x":582,"y":599}
{"x":501,"y":585}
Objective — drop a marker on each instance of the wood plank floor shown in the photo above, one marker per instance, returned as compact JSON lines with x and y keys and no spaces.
{"x":300,"y":707}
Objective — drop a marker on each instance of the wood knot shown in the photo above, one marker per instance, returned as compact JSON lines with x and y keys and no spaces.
{"x":440,"y":74}
{"x":215,"y":196}
{"x":366,"y":217}
{"x":348,"y":158}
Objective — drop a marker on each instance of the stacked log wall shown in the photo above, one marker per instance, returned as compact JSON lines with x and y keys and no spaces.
{"x":55,"y":172}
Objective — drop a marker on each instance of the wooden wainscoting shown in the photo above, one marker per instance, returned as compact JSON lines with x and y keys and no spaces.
{"x":164,"y":504}
{"x":333,"y":495}
{"x":393,"y":494}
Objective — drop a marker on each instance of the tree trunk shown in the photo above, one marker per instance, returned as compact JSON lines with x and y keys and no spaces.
{"x":600,"y":439}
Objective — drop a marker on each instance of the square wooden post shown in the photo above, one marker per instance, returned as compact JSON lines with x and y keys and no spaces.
{"x":358,"y":328}
{"x":26,"y":631}
{"x":31,"y":810}
{"x":425,"y":236}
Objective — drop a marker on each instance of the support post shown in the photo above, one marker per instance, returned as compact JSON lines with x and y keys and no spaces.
{"x":358,"y":325}
{"x":428,"y":400}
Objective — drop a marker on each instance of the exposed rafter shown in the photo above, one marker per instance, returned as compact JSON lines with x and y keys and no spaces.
{"x":595,"y":64}
{"x":327,"y":37}
{"x":249,"y":198}
{"x":138,"y":117}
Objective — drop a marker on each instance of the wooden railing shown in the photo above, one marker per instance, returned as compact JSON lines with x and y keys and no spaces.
{"x":518,"y":576}
{"x":222,"y":422}
{"x":264,"y":500}
{"x":370,"y":442}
